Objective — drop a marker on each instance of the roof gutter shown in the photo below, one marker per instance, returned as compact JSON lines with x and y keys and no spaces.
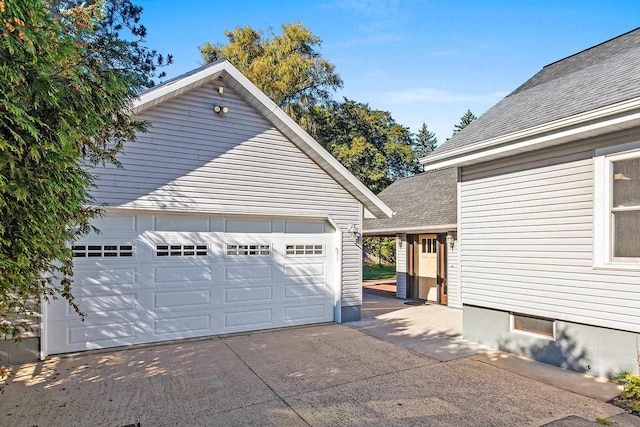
{"x":619,"y":116}
{"x":410,"y":230}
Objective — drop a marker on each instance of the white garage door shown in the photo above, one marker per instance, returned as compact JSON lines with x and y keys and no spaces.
{"x":149,"y":278}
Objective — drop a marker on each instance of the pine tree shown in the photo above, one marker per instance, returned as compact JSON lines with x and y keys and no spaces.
{"x":425,"y":141}
{"x":465,"y":121}
{"x":70,"y":71}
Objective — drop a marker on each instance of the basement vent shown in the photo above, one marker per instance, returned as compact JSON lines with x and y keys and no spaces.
{"x":102,"y":251}
{"x":533,"y":325}
{"x":248,"y":250}
{"x":181,"y":250}
{"x":304,"y":250}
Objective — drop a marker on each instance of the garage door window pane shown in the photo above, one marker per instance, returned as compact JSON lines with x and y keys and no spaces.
{"x":100,"y":251}
{"x":248,"y":250}
{"x":293,"y":249}
{"x":181,"y":250}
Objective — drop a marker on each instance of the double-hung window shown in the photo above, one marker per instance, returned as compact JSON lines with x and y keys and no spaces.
{"x":617,"y":204}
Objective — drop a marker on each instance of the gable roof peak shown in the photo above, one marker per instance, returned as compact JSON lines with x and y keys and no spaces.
{"x":250,"y":93}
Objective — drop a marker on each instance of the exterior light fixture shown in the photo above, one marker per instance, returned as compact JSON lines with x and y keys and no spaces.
{"x":451,"y":241}
{"x":220,"y":109}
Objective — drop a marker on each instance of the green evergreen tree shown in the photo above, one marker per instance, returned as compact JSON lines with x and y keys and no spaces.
{"x":465,"y":121}
{"x":69,"y":72}
{"x":425,"y":141}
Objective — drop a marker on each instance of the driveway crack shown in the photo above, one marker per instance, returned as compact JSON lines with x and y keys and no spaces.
{"x":265,"y":383}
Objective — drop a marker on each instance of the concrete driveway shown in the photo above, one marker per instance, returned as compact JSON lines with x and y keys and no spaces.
{"x":319,"y":375}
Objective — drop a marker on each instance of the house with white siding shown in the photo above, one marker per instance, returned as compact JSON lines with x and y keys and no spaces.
{"x":549,"y":213}
{"x":424,"y":224}
{"x":225,"y":217}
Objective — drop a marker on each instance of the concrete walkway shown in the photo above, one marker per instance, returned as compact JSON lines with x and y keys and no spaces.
{"x":381,"y":287}
{"x":430,"y":329}
{"x":319,"y":375}
{"x":436,"y":331}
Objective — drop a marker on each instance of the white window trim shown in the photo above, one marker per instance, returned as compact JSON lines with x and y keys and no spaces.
{"x":322,"y":248}
{"x":602,"y":216}
{"x":182,"y":250}
{"x":242,"y":256}
{"x":118,"y":251}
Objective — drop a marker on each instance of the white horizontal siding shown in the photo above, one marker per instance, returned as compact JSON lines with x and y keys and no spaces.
{"x":194,"y":160}
{"x":527,"y":241}
{"x":453,"y":282}
{"x":401,"y":266}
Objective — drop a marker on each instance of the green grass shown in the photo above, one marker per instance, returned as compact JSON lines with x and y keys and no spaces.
{"x":375,"y":271}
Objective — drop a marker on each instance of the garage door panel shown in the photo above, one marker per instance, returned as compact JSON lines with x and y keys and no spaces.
{"x":244,"y":319}
{"x":84,"y":276}
{"x":182,"y":275}
{"x":189,"y":299}
{"x":244,"y":294}
{"x":304,"y":227}
{"x":315,"y":269}
{"x":149,"y":298}
{"x":116,"y":225}
{"x":93,"y":306}
{"x":104,"y":332}
{"x":248,"y":226}
{"x":304,"y":290}
{"x":180,"y":223}
{"x":72,"y":335}
{"x":106,"y":303}
{"x":246,"y":272}
{"x":306,"y":313}
{"x":190,"y":324}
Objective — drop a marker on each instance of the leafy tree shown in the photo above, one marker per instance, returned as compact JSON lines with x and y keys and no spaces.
{"x":287,"y":67}
{"x":465,"y":121}
{"x":381,"y":248}
{"x":68,"y":73}
{"x":368,"y":142}
{"x":425,"y":141}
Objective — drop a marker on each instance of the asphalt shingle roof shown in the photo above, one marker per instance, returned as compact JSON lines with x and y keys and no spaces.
{"x":424,"y":200}
{"x":602,"y":75}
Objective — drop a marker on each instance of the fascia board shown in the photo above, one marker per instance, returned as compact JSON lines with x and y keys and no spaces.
{"x":411,"y":230}
{"x":596,"y":122}
{"x":171,"y":90}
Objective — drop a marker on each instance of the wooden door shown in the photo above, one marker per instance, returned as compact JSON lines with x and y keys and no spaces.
{"x":427,"y":267}
{"x":442,"y":276}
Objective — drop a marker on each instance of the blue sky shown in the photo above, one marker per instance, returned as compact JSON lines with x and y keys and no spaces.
{"x":424,"y":61}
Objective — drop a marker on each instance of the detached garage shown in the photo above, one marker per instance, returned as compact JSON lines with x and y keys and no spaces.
{"x":226,"y":217}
